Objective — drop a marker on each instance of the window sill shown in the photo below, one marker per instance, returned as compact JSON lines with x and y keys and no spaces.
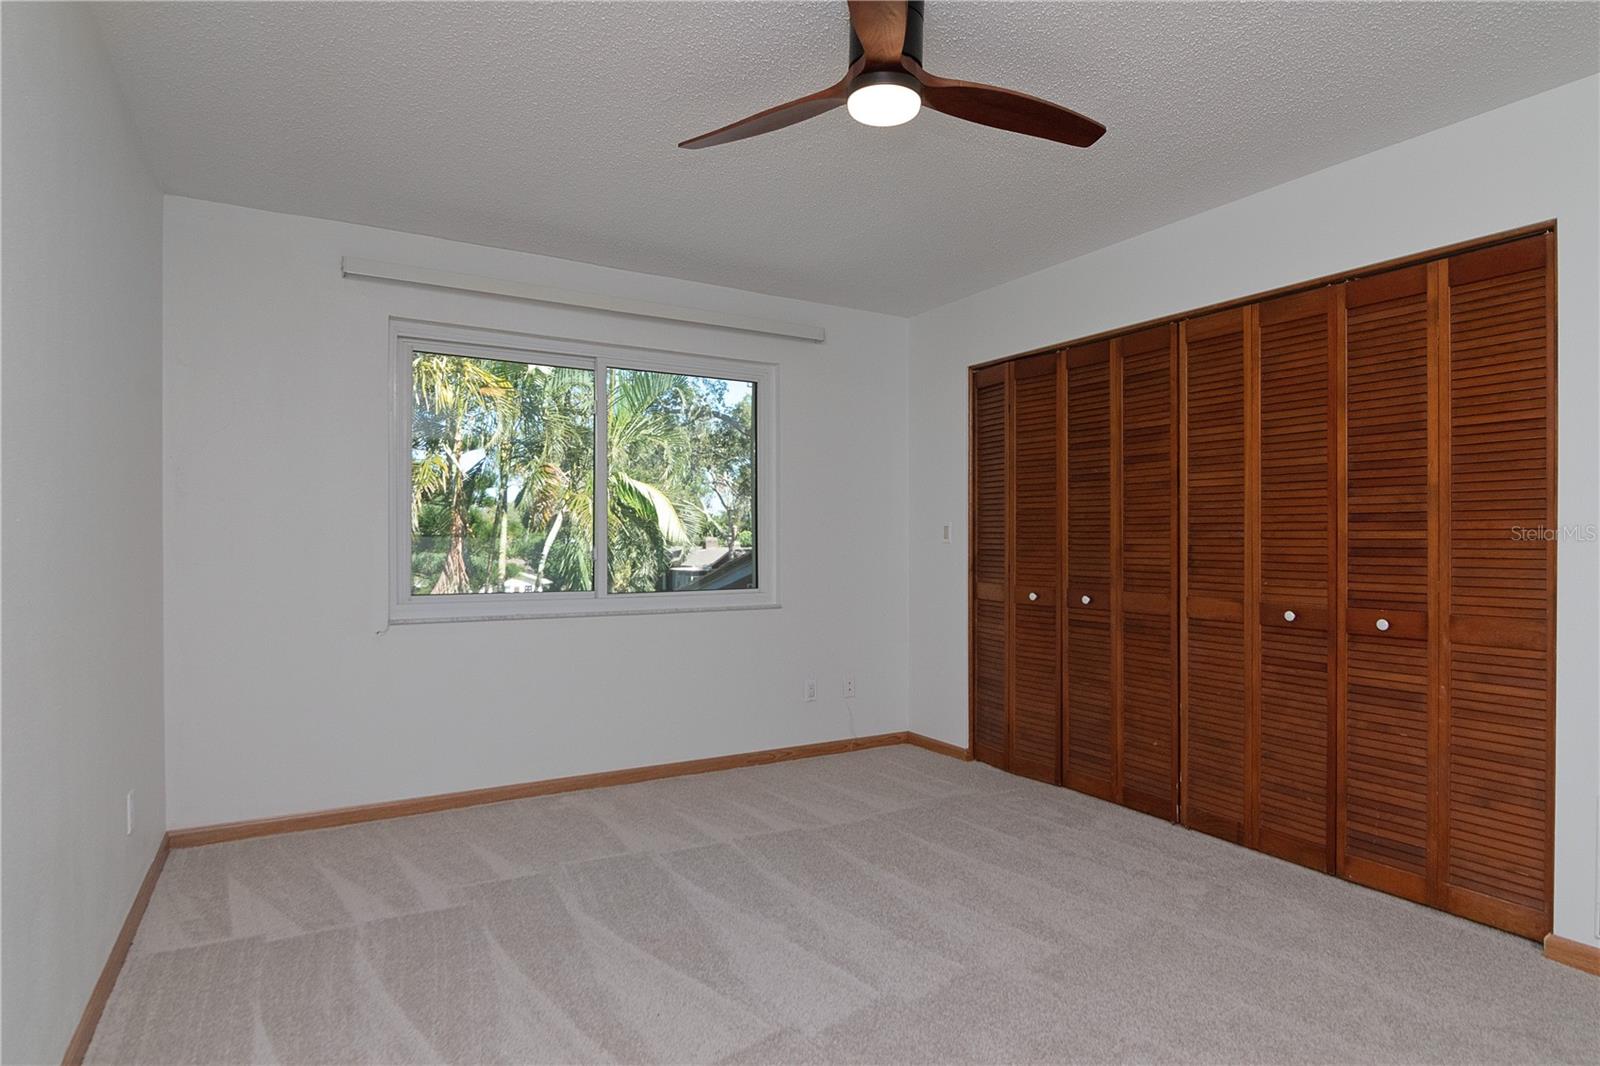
{"x":676,"y":607}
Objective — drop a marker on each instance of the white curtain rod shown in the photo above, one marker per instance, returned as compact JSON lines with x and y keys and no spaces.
{"x":353,"y":267}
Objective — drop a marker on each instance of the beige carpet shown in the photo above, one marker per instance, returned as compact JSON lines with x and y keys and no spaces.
{"x":883,"y":906}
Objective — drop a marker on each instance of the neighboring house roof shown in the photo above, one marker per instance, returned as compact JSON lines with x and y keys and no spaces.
{"x":735,"y":570}
{"x":713,"y":566}
{"x":702,"y":558}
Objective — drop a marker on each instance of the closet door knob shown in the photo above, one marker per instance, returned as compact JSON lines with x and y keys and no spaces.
{"x":1383,"y":625}
{"x":1288,"y":616}
{"x":1032,"y":596}
{"x":1085,"y":599}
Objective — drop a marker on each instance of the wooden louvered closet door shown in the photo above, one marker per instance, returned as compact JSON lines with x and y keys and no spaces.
{"x":1287,"y":572}
{"x":1388,"y":701}
{"x":1497,"y":590}
{"x":1035,"y":644}
{"x":1217,"y":616}
{"x":990,"y":564}
{"x":1145,"y":414}
{"x":1089,"y":717}
{"x":1446,"y":723}
{"x":1291,"y":795}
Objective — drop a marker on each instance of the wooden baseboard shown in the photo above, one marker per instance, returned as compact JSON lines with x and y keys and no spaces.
{"x":939,"y":746}
{"x":78,"y":1046}
{"x":371,"y":812}
{"x":1585,"y":957}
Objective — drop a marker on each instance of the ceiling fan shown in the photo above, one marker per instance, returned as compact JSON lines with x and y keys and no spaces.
{"x":885,"y":85}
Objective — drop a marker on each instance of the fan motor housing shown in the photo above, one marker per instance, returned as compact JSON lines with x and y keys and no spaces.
{"x":913,"y":45}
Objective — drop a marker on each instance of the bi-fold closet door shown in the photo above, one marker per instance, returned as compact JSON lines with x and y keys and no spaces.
{"x":1296,"y":567}
{"x":1390,"y":702}
{"x":1260,"y":506}
{"x":1446,"y":712}
{"x":1120,"y":724}
{"x":1332,"y":637}
{"x":1017,"y":467}
{"x":1074,"y":577}
{"x":1367,"y":660}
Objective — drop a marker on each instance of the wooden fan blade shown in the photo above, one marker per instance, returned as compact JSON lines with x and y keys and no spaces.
{"x":776,"y":118}
{"x":880,"y":26}
{"x":1004,"y":109}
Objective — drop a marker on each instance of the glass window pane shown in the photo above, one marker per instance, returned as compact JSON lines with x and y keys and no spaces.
{"x":681,"y":473}
{"x":502,"y":477}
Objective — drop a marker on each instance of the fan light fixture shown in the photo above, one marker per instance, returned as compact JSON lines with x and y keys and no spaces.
{"x":884,"y":84}
{"x":884,"y":98}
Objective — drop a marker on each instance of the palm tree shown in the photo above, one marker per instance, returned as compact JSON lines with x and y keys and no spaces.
{"x":548,"y":458}
{"x":648,"y":476}
{"x":646,"y":491}
{"x":508,"y":447}
{"x":462,"y":408}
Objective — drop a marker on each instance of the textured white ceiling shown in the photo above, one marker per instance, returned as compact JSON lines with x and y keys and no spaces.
{"x":551,"y":127}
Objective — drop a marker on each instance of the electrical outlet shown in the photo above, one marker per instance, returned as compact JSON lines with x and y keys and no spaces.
{"x":130,"y":812}
{"x":947,"y":532}
{"x":810,"y":691}
{"x":849,"y":688}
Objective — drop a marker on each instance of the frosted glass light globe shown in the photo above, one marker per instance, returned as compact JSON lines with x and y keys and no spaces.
{"x":885,"y":103}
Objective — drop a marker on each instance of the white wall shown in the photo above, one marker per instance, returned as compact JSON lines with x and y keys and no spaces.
{"x":267,"y":437}
{"x":81,"y":562}
{"x":284,"y":691}
{"x":1530,"y":161}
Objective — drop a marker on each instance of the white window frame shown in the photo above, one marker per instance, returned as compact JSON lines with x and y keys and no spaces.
{"x":408,"y":337}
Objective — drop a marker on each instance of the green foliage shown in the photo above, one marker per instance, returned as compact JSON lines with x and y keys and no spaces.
{"x":503,"y":474}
